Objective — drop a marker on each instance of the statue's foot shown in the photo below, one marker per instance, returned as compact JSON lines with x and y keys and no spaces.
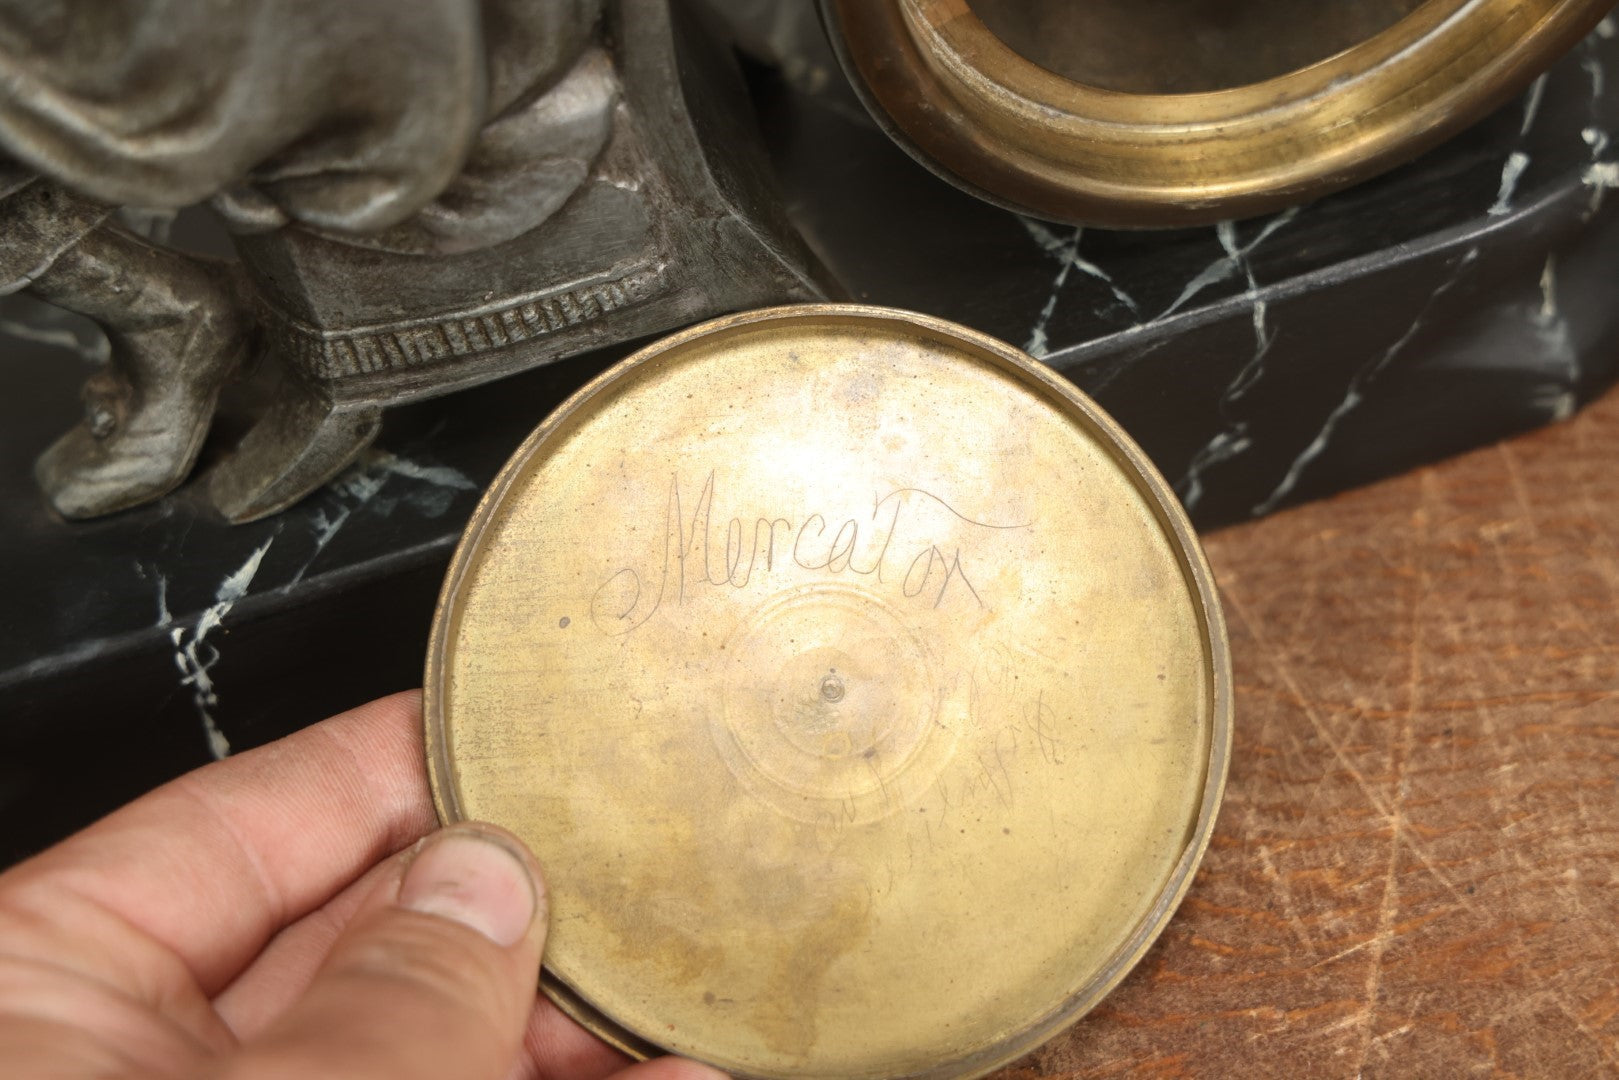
{"x":146,"y":417}
{"x":303,"y":440}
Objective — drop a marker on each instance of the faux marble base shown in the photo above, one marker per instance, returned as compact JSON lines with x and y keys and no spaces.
{"x":1469,"y":295}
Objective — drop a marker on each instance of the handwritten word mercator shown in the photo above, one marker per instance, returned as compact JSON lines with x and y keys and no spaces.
{"x":696,"y":552}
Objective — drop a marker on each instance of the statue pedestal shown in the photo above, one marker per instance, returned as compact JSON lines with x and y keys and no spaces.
{"x":676,"y":222}
{"x":1469,"y":295}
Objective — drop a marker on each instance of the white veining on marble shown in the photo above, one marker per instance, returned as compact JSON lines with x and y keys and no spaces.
{"x":352,"y":490}
{"x":1552,"y":328}
{"x":195,"y":658}
{"x":1596,"y":139}
{"x":1096,"y":375}
{"x":1593,"y":69}
{"x":1601,"y":177}
{"x":164,"y":617}
{"x":1066,"y":252}
{"x":1548,"y":291}
{"x":1233,"y":438}
{"x":1511,"y":171}
{"x":431,"y":492}
{"x":1531,"y":103}
{"x":360,"y":484}
{"x":1234,"y":261}
{"x":1591,"y":62}
{"x":1355,"y":394}
{"x":438,"y":475}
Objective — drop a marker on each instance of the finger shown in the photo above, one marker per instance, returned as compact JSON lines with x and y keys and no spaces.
{"x":68,"y":942}
{"x":281,"y":974}
{"x":662,"y":1068}
{"x":54,"y":1023}
{"x":670,"y":1068}
{"x":436,"y":980}
{"x":211,"y":865}
{"x":554,"y":1046}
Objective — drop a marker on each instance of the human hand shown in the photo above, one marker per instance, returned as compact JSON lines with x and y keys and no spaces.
{"x":279,"y":915}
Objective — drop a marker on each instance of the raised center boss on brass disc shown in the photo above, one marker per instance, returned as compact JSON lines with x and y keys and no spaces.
{"x":859,"y":685}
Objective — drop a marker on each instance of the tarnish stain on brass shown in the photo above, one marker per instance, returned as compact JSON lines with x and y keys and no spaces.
{"x":657,"y":932}
{"x":861,"y":688}
{"x":787,"y":1023}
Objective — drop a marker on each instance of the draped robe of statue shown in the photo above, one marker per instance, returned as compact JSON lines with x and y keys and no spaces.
{"x":432,"y":126}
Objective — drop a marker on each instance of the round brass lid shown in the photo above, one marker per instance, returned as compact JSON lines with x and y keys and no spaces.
{"x":859,"y":684}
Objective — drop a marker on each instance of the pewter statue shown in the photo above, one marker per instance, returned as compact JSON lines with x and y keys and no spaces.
{"x":423,"y":197}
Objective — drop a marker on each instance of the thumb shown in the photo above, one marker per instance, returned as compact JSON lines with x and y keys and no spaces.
{"x":435,"y":978}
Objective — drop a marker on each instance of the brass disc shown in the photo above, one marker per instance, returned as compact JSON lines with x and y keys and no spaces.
{"x":859,"y":684}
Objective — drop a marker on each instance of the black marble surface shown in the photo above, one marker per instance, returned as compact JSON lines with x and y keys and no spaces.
{"x":1466,"y":296}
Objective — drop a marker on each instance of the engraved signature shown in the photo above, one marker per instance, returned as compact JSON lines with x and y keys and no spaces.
{"x":697,"y":551}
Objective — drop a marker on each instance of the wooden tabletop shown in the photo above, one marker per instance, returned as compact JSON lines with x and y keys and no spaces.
{"x":1416,"y":869}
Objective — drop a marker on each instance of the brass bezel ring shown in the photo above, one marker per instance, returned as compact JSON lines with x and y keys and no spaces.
{"x":967,"y":106}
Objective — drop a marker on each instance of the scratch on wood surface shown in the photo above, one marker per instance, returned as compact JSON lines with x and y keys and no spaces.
{"x":1520,"y":493}
{"x":1304,"y":703}
{"x":1386,"y":922}
{"x":1417,"y":873}
{"x":1289,"y":906}
{"x":1606,"y":1047}
{"x":1313,"y":716}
